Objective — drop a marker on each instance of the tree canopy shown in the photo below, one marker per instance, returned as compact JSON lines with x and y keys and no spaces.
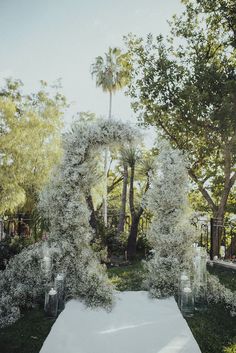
{"x":185,"y":85}
{"x":30,"y":129}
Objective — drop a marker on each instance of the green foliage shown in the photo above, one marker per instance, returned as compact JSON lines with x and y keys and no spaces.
{"x":127,"y":277}
{"x":100,"y":250}
{"x":12,"y":246}
{"x":231,"y":349}
{"x":29,"y":143}
{"x":226,"y":276}
{"x":17,"y":243}
{"x":123,"y":238}
{"x":186,"y":86}
{"x":143,"y":244}
{"x":144,"y":164}
{"x":110,"y":241}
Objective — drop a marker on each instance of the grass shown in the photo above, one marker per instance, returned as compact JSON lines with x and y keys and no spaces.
{"x":213,"y":329}
{"x":128,"y":277}
{"x":27,"y":334}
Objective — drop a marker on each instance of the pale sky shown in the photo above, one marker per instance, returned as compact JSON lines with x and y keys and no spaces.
{"x":50,"y":39}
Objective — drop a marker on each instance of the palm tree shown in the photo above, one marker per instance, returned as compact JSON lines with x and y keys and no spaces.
{"x":112,"y":73}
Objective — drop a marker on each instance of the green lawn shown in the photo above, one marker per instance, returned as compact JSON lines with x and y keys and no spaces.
{"x":127,"y":277}
{"x":213,"y":329}
{"x":27,"y":334}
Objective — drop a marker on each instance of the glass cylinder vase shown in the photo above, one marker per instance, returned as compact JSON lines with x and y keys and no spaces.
{"x":46,"y":266}
{"x":51,"y":303}
{"x":187,"y":302}
{"x":60,"y":288}
{"x":184,"y":281}
{"x":200,"y":278}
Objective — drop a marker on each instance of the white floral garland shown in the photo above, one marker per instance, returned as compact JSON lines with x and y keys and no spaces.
{"x":23,"y":282}
{"x":171,"y":232}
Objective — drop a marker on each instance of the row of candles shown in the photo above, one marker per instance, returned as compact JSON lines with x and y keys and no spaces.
{"x":191,"y":296}
{"x":54,"y":301}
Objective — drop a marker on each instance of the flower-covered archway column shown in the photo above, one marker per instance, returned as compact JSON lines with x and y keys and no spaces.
{"x":68,"y":246}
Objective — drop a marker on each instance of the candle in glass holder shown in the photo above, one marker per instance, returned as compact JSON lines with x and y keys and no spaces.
{"x":51,"y":303}
{"x":187,"y":302}
{"x":46,"y":265}
{"x":60,"y":287}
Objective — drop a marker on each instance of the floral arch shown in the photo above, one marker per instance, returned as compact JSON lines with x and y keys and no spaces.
{"x":64,"y":201}
{"x":23,"y":282}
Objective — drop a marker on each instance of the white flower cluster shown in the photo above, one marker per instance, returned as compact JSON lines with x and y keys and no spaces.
{"x":171,"y":233}
{"x":21,"y":284}
{"x":64,"y":201}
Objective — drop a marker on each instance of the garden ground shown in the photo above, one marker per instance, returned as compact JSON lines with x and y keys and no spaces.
{"x":214,"y":329}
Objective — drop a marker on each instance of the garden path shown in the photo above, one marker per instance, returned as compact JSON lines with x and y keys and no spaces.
{"x":137,"y":324}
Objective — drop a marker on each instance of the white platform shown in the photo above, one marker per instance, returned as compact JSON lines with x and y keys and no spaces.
{"x":137,"y":324}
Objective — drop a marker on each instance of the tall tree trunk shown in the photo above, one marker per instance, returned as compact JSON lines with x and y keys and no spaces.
{"x":216,"y":235}
{"x":93,"y":219}
{"x":132,"y":240}
{"x":218,"y":210}
{"x":121,"y":222}
{"x":131,"y":248}
{"x":105,"y":188}
{"x":135,"y":216}
{"x":232,"y":248}
{"x":110,"y":105}
{"x":105,"y":203}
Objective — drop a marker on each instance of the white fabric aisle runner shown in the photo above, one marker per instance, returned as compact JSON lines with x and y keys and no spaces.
{"x":137,"y":324}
